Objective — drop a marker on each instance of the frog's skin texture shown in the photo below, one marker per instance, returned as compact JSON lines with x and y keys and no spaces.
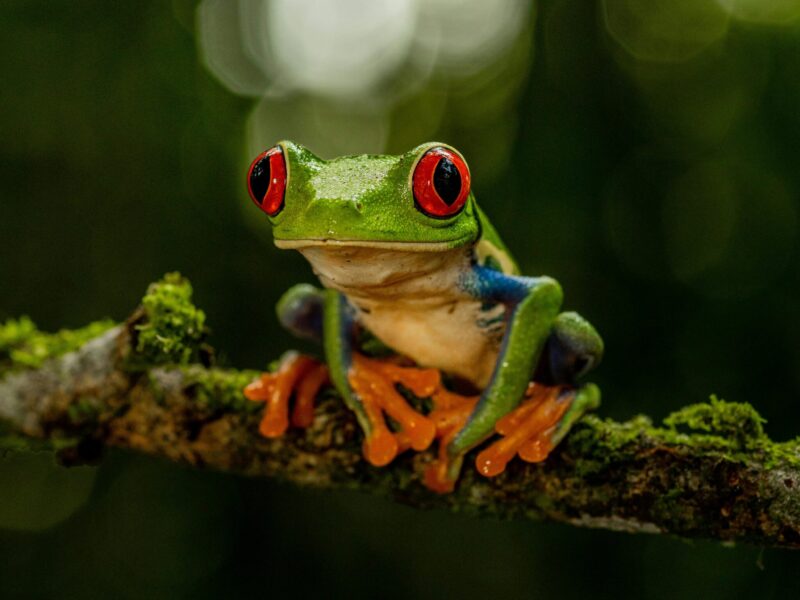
{"x":406,"y":257}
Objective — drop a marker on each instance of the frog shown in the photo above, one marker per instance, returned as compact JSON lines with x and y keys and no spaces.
{"x":419,"y":299}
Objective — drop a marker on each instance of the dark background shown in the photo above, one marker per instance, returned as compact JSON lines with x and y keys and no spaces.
{"x":655,"y":177}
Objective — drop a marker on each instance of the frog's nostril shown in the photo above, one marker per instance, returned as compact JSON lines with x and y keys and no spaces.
{"x":333,"y":207}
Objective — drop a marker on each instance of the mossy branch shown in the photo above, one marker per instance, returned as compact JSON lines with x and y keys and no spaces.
{"x":149,"y":385}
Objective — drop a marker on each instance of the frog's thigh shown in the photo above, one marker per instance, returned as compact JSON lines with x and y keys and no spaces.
{"x":573,"y":348}
{"x":534,"y":305}
{"x":300,"y":311}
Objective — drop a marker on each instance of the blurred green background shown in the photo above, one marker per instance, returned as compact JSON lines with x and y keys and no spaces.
{"x":643,"y":152}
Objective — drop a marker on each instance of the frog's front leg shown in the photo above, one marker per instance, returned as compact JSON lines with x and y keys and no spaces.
{"x":530,"y":428}
{"x":366,"y":384}
{"x":368,"y":387}
{"x":300,"y":311}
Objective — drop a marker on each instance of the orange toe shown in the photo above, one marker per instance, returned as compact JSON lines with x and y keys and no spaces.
{"x":538,"y":447}
{"x":380,"y":447}
{"x":307,"y":390}
{"x":374,"y":382}
{"x":527,"y":432}
{"x":450,"y":413}
{"x":436,"y":478}
{"x":296,"y":373}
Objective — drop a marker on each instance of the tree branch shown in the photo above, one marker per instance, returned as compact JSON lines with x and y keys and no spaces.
{"x":147,"y":385}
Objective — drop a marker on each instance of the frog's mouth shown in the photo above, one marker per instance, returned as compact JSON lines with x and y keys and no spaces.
{"x":377,"y":244}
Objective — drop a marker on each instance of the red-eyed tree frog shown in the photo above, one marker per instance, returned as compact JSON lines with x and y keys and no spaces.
{"x":406,"y":257}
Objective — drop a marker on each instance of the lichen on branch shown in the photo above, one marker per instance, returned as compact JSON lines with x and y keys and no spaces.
{"x":150,"y":385}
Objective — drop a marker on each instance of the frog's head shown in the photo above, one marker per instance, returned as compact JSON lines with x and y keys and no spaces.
{"x":417,"y":201}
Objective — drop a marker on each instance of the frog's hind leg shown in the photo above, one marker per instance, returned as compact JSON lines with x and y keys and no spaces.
{"x":572,"y":349}
{"x":553,"y":403}
{"x":537,"y":425}
{"x":532,"y":305}
{"x":533,"y":421}
{"x":300,"y":311}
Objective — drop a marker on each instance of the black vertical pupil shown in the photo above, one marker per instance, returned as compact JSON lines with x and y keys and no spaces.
{"x":259,"y":179}
{"x":447,"y":181}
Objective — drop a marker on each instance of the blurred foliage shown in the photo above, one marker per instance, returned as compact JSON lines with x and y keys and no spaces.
{"x":644,"y":153}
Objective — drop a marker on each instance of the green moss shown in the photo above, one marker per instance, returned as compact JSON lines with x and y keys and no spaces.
{"x":598,"y":442}
{"x":725,"y":430}
{"x":22,"y":345}
{"x":220,"y":389}
{"x":735,"y":421}
{"x":777,"y":454}
{"x":173,"y":329}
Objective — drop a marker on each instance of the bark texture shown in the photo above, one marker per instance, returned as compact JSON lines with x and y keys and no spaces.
{"x":722,"y":479}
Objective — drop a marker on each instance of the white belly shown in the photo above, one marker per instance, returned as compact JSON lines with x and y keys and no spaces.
{"x":412,"y":303}
{"x":445,"y":337}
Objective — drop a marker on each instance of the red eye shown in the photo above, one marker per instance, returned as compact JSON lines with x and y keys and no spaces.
{"x":441,"y":183}
{"x":266,"y":181}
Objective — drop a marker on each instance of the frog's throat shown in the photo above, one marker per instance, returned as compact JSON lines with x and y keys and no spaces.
{"x":383,"y":245}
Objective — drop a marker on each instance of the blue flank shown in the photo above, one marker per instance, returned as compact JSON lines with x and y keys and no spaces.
{"x":487,"y":284}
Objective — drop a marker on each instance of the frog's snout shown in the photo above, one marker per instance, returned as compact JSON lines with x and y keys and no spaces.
{"x":333,"y":209}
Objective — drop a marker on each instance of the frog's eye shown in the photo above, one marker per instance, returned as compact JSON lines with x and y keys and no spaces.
{"x":266,"y":180}
{"x":441,"y":183}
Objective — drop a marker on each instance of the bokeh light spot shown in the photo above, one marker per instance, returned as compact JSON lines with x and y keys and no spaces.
{"x":340,"y":49}
{"x":168,"y":527}
{"x":37,"y":493}
{"x":699,"y":214}
{"x":469,"y":36}
{"x":729,"y":229}
{"x":328,"y":129}
{"x":774,"y":12}
{"x":665,"y":30}
{"x":701,"y":101}
{"x":630,"y":213}
{"x":339,"y":77}
{"x":219,"y":35}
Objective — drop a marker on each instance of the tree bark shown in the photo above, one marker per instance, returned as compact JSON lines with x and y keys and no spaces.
{"x":725,"y":481}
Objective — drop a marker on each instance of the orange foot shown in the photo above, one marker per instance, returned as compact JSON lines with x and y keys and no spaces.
{"x":302,"y":375}
{"x":374,"y":382}
{"x":527,"y":430}
{"x":450,"y":413}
